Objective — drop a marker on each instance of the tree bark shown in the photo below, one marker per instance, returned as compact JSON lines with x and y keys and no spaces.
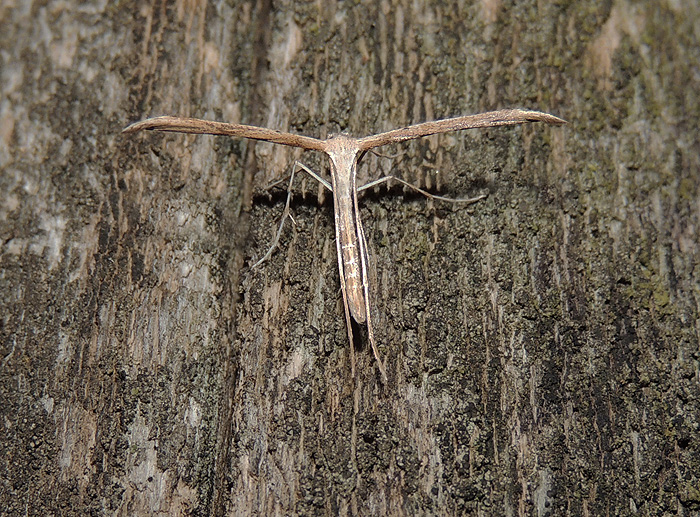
{"x":541,"y":345}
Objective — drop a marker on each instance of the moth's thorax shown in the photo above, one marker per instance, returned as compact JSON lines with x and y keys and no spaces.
{"x":343,"y":151}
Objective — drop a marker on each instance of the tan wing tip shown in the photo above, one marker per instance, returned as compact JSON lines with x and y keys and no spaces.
{"x":149,"y":123}
{"x":134,"y":128}
{"x":538,"y":116}
{"x":131,"y":128}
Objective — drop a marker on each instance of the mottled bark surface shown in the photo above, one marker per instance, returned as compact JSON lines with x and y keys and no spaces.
{"x":541,"y":346}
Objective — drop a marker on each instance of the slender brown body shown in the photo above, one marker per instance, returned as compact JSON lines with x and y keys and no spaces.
{"x":344,"y":152}
{"x":349,"y":235}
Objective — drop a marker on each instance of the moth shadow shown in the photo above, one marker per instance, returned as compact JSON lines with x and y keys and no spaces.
{"x":465,"y":189}
{"x":278,"y":197}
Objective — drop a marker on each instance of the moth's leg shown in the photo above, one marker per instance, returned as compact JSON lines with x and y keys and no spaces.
{"x":348,"y":319}
{"x":365,"y":286}
{"x":303,"y":167}
{"x":286,"y":214}
{"x":314,"y":175}
{"x":421,"y":191}
{"x":387,"y":155}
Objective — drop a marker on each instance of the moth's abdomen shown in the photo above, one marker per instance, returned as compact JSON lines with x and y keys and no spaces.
{"x":352,"y":272}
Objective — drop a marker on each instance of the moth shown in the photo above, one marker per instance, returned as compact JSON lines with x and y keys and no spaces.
{"x":344,"y":153}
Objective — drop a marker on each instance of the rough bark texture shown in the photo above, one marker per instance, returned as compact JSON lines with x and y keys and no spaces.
{"x":542,"y":346}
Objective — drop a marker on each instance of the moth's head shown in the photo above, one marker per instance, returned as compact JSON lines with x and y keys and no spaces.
{"x":342,"y":144}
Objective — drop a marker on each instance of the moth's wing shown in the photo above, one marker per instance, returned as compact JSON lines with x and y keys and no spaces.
{"x":489,"y":119}
{"x":208,"y":127}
